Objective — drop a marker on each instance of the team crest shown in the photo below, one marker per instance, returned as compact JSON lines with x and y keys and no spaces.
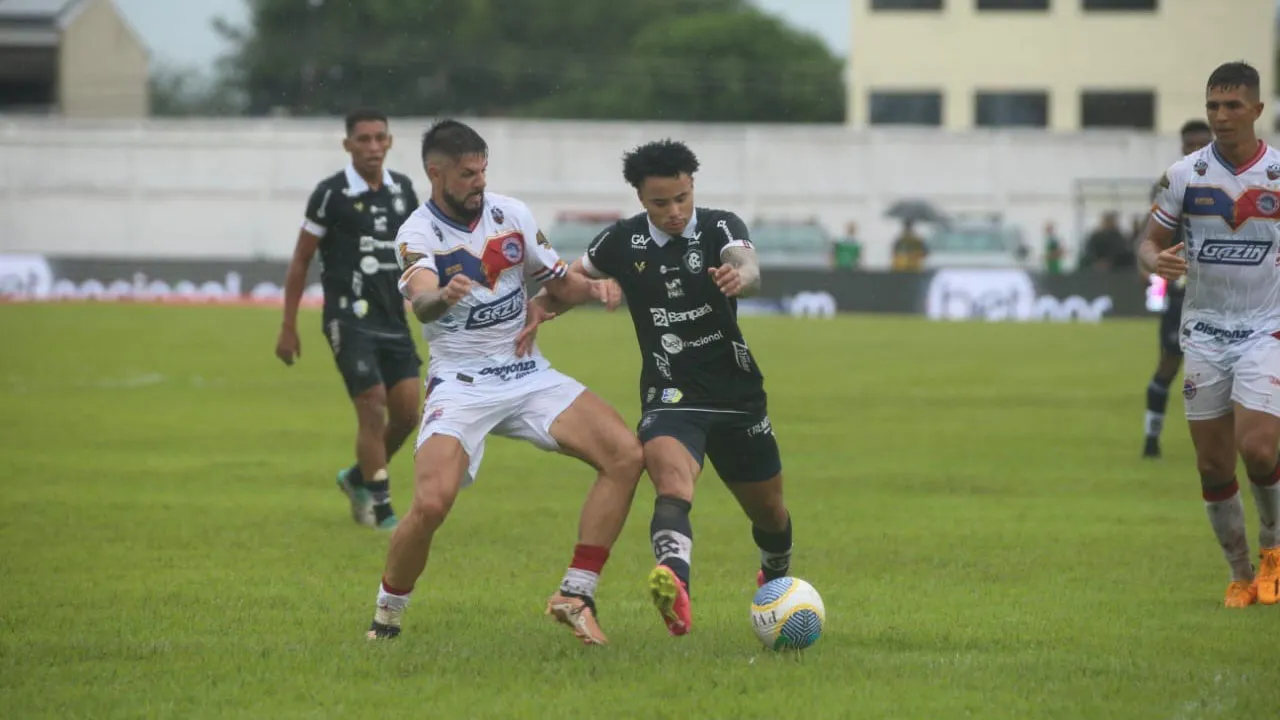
{"x":513,"y":249}
{"x":1188,"y":389}
{"x":495,"y":212}
{"x":543,"y":241}
{"x":1201,"y":167}
{"x":436,"y":229}
{"x":1273,"y":171}
{"x":398,"y":205}
{"x":1268,"y":204}
{"x":693,"y":260}
{"x":501,"y":253}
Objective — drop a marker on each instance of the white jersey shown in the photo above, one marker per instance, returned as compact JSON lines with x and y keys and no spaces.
{"x":1232,"y":220}
{"x":501,"y":251}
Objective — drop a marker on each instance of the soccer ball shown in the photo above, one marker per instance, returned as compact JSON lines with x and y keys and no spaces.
{"x":787,"y":614}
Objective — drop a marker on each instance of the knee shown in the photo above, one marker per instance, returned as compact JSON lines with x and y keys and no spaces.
{"x":1259,"y":452}
{"x":404,"y":419}
{"x":430,"y":508}
{"x":626,"y":462}
{"x":672,"y":481}
{"x":1215,"y":471}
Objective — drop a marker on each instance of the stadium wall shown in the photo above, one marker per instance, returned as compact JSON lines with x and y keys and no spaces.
{"x":235,"y":188}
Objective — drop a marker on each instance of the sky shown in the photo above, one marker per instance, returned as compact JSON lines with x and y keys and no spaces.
{"x":178,"y":32}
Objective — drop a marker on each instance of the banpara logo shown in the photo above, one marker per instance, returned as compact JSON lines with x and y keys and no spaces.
{"x":998,"y":294}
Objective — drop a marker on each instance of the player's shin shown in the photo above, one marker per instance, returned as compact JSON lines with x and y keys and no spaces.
{"x":672,"y":535}
{"x":1266,"y":494}
{"x":1157,"y":404}
{"x":775,"y":550}
{"x":1226,"y":516}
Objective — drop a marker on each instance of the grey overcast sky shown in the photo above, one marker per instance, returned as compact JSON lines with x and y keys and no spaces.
{"x":179,"y":32}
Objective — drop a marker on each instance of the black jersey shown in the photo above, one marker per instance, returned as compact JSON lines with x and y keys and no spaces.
{"x":692,"y":351}
{"x":357,"y":228}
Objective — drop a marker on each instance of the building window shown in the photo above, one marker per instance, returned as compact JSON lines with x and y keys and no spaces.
{"x":906,"y":108}
{"x":1011,"y":109}
{"x":1149,"y":5}
{"x":906,"y":4}
{"x":1013,"y":4}
{"x":1118,"y":109}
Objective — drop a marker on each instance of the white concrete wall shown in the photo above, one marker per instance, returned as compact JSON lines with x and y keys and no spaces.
{"x":236,"y":188}
{"x":1062,"y":51}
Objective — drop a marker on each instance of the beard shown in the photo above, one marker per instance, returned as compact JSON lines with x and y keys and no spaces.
{"x":460,"y":209}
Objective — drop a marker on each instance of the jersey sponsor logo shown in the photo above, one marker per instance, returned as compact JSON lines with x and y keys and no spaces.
{"x":742,"y":355}
{"x":639,"y":241}
{"x":1241,"y":253}
{"x":511,"y":371}
{"x":1273,"y":172}
{"x":663,"y":364}
{"x":675,"y":289}
{"x":764,"y":427}
{"x":672,"y":344}
{"x":495,"y":212}
{"x":504,"y":309}
{"x":1201,"y":167}
{"x":671,"y":396}
{"x":1225,"y":335}
{"x":666,"y":318}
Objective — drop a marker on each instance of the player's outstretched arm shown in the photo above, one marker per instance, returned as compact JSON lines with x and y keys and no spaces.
{"x":574,"y":288}
{"x":738,"y":275}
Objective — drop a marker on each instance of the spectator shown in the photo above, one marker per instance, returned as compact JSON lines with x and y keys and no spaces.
{"x":1108,"y":248}
{"x":846,"y":252}
{"x":1054,"y":253}
{"x":909,"y":250}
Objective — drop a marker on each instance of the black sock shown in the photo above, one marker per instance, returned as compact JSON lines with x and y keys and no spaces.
{"x":1157,"y":403}
{"x":775,"y":551}
{"x":354,"y":476}
{"x":672,"y":535}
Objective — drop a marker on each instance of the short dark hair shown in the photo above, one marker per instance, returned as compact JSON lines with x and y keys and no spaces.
{"x":452,"y":138}
{"x":359,"y":115}
{"x":1233,"y":75}
{"x":1195,"y":126}
{"x":662,"y":158}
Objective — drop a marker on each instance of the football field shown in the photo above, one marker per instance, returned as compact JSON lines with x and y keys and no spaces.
{"x":968,"y":498}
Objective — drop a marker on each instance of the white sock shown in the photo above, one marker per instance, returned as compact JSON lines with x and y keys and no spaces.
{"x":1226,"y":516}
{"x":579,"y":582}
{"x":1154,"y":424}
{"x":1267,"y":498}
{"x":390,"y":606}
{"x":669,"y":544}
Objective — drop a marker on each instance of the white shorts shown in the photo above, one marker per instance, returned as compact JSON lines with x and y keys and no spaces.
{"x":1247,"y":374}
{"x":521,"y":409}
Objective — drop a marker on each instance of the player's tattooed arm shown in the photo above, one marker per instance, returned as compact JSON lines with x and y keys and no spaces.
{"x":422,"y":286}
{"x":744,"y":281}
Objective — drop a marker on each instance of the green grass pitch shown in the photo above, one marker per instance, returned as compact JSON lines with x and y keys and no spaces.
{"x":968,"y":498}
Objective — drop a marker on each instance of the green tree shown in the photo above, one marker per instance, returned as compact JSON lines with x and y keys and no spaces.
{"x":548,"y":58}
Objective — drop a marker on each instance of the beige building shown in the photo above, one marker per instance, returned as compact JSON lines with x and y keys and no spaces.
{"x":77,"y":58}
{"x":1064,"y":65}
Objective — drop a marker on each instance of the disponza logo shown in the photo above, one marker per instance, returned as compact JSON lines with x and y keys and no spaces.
{"x":1003,"y":295}
{"x":507,"y":307}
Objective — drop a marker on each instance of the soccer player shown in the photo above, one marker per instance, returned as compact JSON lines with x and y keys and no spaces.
{"x":467,"y":255}
{"x":352,"y":218}
{"x":1195,"y":135}
{"x":1227,"y":196}
{"x":682,"y":270}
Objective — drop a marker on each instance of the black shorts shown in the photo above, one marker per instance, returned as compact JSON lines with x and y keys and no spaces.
{"x":741,"y":445}
{"x":1171,"y":327}
{"x":366,"y":359}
